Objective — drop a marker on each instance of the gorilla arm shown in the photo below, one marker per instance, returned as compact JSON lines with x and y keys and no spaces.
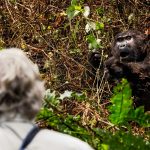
{"x":116,"y":69}
{"x":113,"y":68}
{"x":140,"y":69}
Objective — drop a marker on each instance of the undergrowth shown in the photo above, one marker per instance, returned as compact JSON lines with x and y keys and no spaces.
{"x":117,"y":133}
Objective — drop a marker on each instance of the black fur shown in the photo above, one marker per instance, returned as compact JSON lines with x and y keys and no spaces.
{"x":131,"y":60}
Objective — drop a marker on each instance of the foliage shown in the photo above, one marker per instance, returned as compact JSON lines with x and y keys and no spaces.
{"x":73,"y":10}
{"x":93,"y":43}
{"x":125,"y":141}
{"x":121,"y":103}
{"x":52,"y":113}
{"x":122,"y":110}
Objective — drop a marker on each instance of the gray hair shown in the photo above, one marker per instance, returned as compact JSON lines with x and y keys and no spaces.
{"x":21,"y":90}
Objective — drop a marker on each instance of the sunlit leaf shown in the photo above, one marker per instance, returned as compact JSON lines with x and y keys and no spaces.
{"x":90,"y":26}
{"x":94,"y":44}
{"x":99,"y":26}
{"x":73,"y":11}
{"x":65,"y":94}
{"x":73,"y":2}
{"x":121,"y":103}
{"x":86,"y":11}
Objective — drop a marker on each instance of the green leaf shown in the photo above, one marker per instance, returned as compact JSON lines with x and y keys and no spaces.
{"x":122,"y":109}
{"x":79,"y":96}
{"x":73,"y":11}
{"x":99,"y":26}
{"x":51,"y":98}
{"x":76,"y":7}
{"x":74,"y":2}
{"x":100,"y":11}
{"x":139,"y":116}
{"x":105,"y":147}
{"x":92,"y":41}
{"x":121,"y":103}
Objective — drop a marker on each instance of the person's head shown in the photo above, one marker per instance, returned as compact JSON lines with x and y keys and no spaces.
{"x":21,"y":90}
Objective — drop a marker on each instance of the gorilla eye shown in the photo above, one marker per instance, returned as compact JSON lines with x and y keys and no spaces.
{"x":128,"y":38}
{"x":120,"y":39}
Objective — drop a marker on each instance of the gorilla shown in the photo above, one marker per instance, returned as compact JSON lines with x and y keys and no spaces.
{"x":131,"y":60}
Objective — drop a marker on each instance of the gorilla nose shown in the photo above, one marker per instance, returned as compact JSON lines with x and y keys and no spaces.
{"x":121,"y":46}
{"x":124,"y":53}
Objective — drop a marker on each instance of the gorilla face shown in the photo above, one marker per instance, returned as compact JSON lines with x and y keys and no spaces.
{"x":128,"y":46}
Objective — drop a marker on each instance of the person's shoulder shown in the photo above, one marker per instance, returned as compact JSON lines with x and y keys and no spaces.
{"x":7,"y":140}
{"x":57,"y":140}
{"x":1,"y":134}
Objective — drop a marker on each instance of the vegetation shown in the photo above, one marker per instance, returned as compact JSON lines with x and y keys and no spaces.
{"x":116,"y":134}
{"x":58,"y":36}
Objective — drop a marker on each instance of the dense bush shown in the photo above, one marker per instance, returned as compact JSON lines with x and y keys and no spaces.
{"x":117,"y":134}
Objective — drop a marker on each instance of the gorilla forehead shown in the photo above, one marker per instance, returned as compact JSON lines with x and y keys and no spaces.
{"x":122,"y":34}
{"x":133,"y":33}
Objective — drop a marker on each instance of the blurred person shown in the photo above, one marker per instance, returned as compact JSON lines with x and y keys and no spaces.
{"x":21,"y":94}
